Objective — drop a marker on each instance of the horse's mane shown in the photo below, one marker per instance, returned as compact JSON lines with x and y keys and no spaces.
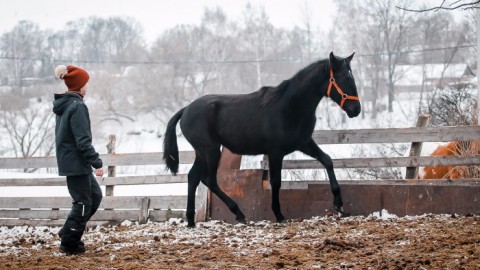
{"x":270,"y":93}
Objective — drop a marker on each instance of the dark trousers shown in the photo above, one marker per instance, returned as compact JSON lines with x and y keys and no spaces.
{"x":86,"y":195}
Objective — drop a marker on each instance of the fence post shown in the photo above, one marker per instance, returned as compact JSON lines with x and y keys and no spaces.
{"x":265,"y":167}
{"x":143,"y":215}
{"x":111,"y":169}
{"x":416,"y":148}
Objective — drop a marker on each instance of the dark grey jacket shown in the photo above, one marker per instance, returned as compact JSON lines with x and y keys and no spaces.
{"x":73,"y":136}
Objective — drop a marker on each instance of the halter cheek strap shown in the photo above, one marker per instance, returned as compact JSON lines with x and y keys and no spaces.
{"x":339,"y":90}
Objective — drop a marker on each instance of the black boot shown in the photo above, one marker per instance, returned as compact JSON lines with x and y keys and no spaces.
{"x":72,"y":250}
{"x":60,"y":233}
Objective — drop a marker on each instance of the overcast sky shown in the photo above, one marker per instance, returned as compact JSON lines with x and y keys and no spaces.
{"x":157,"y":15}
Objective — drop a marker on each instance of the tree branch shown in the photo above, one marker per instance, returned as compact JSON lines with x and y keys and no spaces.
{"x":452,"y":6}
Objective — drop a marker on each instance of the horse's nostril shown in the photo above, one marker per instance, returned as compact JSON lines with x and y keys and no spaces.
{"x":357,"y":110}
{"x":354,"y":111}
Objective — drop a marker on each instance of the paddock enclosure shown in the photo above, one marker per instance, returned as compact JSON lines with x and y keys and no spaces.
{"x":250,"y":188}
{"x":416,"y":224}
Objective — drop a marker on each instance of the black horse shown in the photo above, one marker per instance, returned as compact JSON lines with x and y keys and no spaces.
{"x":274,"y":121}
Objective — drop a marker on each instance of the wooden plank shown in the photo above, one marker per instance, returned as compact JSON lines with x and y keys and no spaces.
{"x":103,"y":181}
{"x":49,"y":223}
{"x":143,"y":212}
{"x":143,"y":180}
{"x":303,"y":184}
{"x":397,"y":135}
{"x":202,"y":203}
{"x":34,"y":214}
{"x":38,"y":202}
{"x":119,"y":215}
{"x":154,"y":158}
{"x":58,"y":219}
{"x":168,"y":202}
{"x":164,"y":215}
{"x":111,"y":170}
{"x":416,"y":147}
{"x":121,"y":202}
{"x":6,"y":182}
{"x":20,"y":163}
{"x":385,"y":162}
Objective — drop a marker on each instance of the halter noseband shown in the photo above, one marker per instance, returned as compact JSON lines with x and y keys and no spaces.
{"x":339,"y":90}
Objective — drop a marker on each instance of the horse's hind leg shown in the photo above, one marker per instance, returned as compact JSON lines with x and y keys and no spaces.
{"x":195,"y":174}
{"x":212,"y":159}
{"x":275,"y":166}
{"x":312,"y":149}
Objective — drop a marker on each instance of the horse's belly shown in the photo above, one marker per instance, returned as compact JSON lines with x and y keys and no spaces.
{"x":244,"y":148}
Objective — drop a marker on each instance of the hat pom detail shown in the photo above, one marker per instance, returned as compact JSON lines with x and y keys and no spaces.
{"x":60,"y":71}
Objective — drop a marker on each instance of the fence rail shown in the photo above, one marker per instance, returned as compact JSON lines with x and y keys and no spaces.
{"x":397,"y":135}
{"x":154,"y":158}
{"x":53,"y":210}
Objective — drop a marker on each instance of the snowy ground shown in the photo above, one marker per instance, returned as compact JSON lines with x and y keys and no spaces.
{"x":389,"y":242}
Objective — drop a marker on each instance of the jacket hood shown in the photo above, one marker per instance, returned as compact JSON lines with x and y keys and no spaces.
{"x":62,"y":101}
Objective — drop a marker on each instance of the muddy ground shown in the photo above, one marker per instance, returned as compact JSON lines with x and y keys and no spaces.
{"x":421,"y":242}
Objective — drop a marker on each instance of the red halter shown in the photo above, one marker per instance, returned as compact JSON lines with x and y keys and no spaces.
{"x":339,"y":90}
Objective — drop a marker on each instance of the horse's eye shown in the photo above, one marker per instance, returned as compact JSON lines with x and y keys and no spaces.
{"x":350,"y":73}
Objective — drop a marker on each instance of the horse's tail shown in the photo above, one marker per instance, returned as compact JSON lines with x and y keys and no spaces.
{"x":170,"y":147}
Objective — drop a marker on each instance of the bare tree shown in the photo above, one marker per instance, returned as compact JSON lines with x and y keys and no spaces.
{"x":453,"y":106}
{"x":30,"y":126}
{"x":393,"y":28}
{"x":19,"y":47}
{"x":256,"y":34}
{"x":378,"y":30}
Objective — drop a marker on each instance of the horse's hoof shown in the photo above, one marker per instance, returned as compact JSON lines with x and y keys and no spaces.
{"x":242,"y":221}
{"x":341,"y":212}
{"x":281,"y":220}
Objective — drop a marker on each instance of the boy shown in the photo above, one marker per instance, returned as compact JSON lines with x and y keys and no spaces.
{"x":76,"y":156}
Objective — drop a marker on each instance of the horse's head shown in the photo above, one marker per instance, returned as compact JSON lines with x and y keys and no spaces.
{"x":341,"y":86}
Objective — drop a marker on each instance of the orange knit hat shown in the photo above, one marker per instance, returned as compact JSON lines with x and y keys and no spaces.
{"x":74,"y":77}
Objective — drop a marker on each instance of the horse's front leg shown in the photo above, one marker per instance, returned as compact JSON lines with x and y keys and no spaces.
{"x":275,"y":166}
{"x":312,"y":149}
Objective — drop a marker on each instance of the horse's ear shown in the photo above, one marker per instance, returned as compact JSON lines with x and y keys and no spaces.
{"x":333,"y":61}
{"x":350,"y":58}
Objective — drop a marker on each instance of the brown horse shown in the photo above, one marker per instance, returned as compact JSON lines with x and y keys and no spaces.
{"x":456,"y":148}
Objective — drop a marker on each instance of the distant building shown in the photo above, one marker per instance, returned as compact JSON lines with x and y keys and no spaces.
{"x":412,"y":77}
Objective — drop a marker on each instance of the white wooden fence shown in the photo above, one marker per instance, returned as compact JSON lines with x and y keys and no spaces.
{"x":52,"y":211}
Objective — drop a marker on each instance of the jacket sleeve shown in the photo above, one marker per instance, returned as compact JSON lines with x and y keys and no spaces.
{"x":80,"y":125}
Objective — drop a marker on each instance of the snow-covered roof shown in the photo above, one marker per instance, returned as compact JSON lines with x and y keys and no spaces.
{"x":409,"y":75}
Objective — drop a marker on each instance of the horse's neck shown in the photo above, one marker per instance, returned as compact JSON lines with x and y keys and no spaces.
{"x":307,"y":97}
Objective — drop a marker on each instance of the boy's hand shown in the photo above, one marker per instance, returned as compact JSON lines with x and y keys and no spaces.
{"x":99,"y":172}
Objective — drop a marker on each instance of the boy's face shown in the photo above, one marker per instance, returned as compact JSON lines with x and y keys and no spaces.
{"x":83,"y":90}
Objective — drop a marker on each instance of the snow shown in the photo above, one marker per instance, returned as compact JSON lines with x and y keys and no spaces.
{"x":383,"y":215}
{"x":175,"y":230}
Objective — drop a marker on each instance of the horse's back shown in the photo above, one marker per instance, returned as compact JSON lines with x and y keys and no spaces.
{"x":235,"y":121}
{"x":248,"y":124}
